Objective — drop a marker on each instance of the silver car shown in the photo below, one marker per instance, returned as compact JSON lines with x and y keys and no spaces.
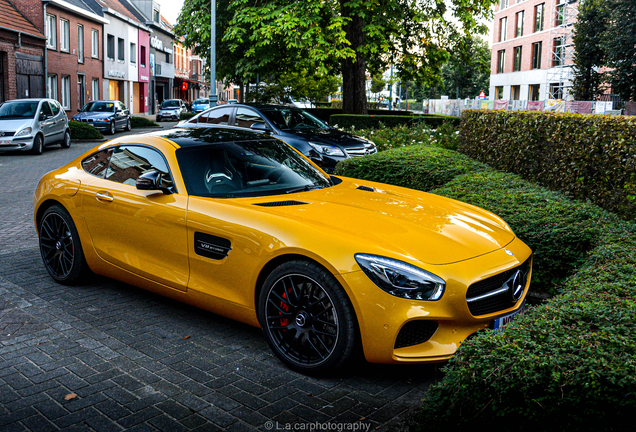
{"x":171,"y":109}
{"x":31,"y":124}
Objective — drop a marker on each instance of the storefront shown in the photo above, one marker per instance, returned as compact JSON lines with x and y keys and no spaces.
{"x":161,"y":67}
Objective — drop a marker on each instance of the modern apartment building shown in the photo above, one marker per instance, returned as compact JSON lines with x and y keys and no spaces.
{"x":532,"y":49}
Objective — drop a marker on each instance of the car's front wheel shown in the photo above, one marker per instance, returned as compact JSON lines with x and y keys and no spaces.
{"x":112,"y":127}
{"x":307,"y":317}
{"x":38,"y":145}
{"x":60,"y":246}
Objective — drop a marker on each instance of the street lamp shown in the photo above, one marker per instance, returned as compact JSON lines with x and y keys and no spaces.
{"x":213,"y":97}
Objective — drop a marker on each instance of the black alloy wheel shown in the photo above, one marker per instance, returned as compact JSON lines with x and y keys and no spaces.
{"x":112,"y":127}
{"x":38,"y":145}
{"x":307,"y":317}
{"x":128,"y":124}
{"x":60,"y":246}
{"x":66,"y":142}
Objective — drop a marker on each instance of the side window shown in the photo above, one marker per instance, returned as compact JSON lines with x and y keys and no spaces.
{"x":96,"y":164}
{"x":55,"y":107}
{"x":129,"y":162}
{"x":219,"y":116}
{"x":121,"y":106}
{"x":46,"y":109}
{"x":246,"y":118}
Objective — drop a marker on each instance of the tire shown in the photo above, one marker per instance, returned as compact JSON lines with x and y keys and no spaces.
{"x":38,"y":145}
{"x":158,"y":119}
{"x":307,"y":318}
{"x":60,"y":246}
{"x":66,"y":142}
{"x":128,"y":125}
{"x":112,"y":129}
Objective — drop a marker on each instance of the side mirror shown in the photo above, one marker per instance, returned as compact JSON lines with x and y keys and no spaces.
{"x":260,"y":126}
{"x":79,"y":110}
{"x":151,"y":181}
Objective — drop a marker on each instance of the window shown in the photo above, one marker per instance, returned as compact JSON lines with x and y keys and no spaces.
{"x":66,"y":92}
{"x":133,"y":52}
{"x":110,"y":48}
{"x":517,"y":65}
{"x":558,"y":58}
{"x":51,"y":36}
{"x":97,"y":163}
{"x":55,"y":106}
{"x":218,"y":116}
{"x":560,"y":9}
{"x":95,"y":88}
{"x":128,"y":162}
{"x":515,"y":92}
{"x":51,"y":87}
{"x":539,"y":13}
{"x":155,"y":15}
{"x":80,"y":43}
{"x":95,"y":43}
{"x":246,"y":118}
{"x":503,"y":23}
{"x":536,"y":55}
{"x":167,"y":58}
{"x":519,"y":24}
{"x":556,"y":91}
{"x":499,"y":92}
{"x":142,"y":56}
{"x":503,"y":4}
{"x":64,"y":35}
{"x":501,"y":60}
{"x":533,"y":92}
{"x":121,"y":46}
{"x":46,"y":109}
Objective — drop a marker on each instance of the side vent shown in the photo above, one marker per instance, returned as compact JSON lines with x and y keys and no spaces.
{"x":366,"y":188}
{"x":280,"y":203}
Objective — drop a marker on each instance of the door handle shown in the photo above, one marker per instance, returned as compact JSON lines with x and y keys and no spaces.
{"x":104,"y":196}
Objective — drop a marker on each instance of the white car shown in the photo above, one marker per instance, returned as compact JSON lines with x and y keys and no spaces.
{"x":31,"y":124}
{"x":171,"y":109}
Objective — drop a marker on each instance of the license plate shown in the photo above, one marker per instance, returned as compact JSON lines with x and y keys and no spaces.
{"x":502,"y":321}
{"x":5,"y":141}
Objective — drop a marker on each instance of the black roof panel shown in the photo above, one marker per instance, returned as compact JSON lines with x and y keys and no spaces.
{"x":185,"y":137}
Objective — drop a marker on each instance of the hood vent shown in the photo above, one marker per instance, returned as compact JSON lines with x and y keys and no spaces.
{"x":280,"y":203}
{"x":366,"y":188}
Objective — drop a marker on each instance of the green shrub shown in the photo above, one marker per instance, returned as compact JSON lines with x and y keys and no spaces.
{"x":374,"y":121}
{"x":186,"y":116}
{"x":586,"y":156}
{"x":142,"y":122}
{"x":324,"y":113}
{"x":84,"y":131}
{"x":401,"y":136}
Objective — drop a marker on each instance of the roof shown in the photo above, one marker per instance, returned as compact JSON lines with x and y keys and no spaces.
{"x":133,"y":10}
{"x":189,"y":137}
{"x":80,"y":7}
{"x":12,"y":19}
{"x":115,"y":5}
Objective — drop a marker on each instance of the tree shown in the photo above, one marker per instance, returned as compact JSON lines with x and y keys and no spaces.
{"x":620,"y":47}
{"x":468,"y":70}
{"x":589,"y":56}
{"x":349,"y":37}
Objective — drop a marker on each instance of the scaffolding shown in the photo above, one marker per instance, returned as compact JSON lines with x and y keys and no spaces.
{"x":561,"y":53}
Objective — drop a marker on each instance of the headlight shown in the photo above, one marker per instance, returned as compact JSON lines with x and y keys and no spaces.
{"x":327,"y":149}
{"x":401,"y":279}
{"x":24,"y":132}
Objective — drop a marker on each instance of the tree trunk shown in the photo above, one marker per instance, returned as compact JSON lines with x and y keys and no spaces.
{"x":354,"y":97}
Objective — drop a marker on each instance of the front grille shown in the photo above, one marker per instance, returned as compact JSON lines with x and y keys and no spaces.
{"x":6,"y":134}
{"x":87,"y":120}
{"x":280,"y":203}
{"x":355,"y":152}
{"x":499,"y":301}
{"x":415,"y":332}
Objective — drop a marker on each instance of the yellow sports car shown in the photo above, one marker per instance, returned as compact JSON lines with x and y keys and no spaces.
{"x":243,"y":225}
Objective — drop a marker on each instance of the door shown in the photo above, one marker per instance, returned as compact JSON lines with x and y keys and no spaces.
{"x":59,"y":122}
{"x":47,"y":122}
{"x":23,"y":86}
{"x":143,"y":232}
{"x":81,"y":89}
{"x":121,"y":115}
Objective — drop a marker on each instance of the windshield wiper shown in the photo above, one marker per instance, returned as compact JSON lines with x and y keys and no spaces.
{"x":306,"y":188}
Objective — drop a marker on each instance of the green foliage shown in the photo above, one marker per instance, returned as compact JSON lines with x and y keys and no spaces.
{"x":84,"y":131}
{"x":589,"y":54}
{"x":619,"y":42}
{"x":298,"y":85}
{"x":186,"y":116}
{"x":385,"y":138}
{"x":325,"y":113}
{"x":587,"y":157}
{"x":374,"y":121}
{"x":142,"y":122}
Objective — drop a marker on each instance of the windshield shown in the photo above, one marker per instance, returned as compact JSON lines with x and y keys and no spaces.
{"x":170,"y":104}
{"x":18,"y":110}
{"x":99,"y":107}
{"x":201,"y":101}
{"x":292,"y":119}
{"x":246,"y":169}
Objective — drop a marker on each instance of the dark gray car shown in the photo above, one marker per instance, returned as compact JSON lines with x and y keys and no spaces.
{"x":31,"y":124}
{"x":105,"y":115}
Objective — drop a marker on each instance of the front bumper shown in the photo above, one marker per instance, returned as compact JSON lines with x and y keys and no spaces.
{"x":97,"y":124}
{"x":381,"y":316}
{"x":166,"y":115}
{"x":24,"y":143}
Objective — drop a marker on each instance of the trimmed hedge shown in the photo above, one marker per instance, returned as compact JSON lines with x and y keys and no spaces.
{"x":585,"y":156}
{"x":374,"y":121}
{"x":84,"y":131}
{"x":142,"y":122}
{"x":186,"y":116}
{"x":325,"y":113}
{"x":445,"y":136}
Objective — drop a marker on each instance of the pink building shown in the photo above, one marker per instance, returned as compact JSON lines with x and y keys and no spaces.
{"x":144,"y":72}
{"x":532,"y":49}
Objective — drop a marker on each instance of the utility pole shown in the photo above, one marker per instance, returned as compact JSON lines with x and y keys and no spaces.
{"x":391,"y":90}
{"x":213,"y":96}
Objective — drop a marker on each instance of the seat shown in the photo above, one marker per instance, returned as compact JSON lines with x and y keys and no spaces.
{"x":221,"y":176}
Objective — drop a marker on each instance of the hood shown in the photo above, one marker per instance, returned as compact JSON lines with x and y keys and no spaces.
{"x":397,"y":222}
{"x":93,"y":115}
{"x":331,"y":136}
{"x":176,"y":108}
{"x":14,"y":125}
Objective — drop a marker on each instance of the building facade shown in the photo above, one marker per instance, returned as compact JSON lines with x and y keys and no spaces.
{"x":189,"y":82}
{"x":22,"y":45}
{"x":532,"y":49}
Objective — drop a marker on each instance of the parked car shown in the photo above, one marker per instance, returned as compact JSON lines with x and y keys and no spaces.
{"x":242,"y":225}
{"x":171,"y":109}
{"x":105,"y":115}
{"x":200,"y":105}
{"x":32,"y":124}
{"x":326,"y":146}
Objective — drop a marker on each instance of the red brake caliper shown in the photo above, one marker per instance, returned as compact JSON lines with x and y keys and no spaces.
{"x":284,"y":321}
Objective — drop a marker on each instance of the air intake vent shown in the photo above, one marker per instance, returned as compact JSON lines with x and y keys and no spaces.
{"x":280,"y":203}
{"x":415,"y":332}
{"x":366,"y":188}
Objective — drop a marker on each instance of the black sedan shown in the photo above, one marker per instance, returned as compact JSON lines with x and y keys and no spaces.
{"x":326,"y":146}
{"x":105,"y":115}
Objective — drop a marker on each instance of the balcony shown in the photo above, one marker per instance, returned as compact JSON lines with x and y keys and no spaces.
{"x":165,"y":70}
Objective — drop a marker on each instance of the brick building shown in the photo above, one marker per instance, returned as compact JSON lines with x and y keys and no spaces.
{"x":74,"y":53}
{"x":532,"y":49}
{"x":189,"y":81}
{"x":21,"y":52}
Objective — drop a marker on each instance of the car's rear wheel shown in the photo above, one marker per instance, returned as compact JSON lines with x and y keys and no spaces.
{"x":60,"y":246}
{"x":66,"y":142}
{"x":38,"y":145}
{"x":307,"y":317}
{"x":112,"y":127}
{"x":128,"y":125}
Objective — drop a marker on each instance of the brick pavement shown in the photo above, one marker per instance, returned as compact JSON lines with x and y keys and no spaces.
{"x":140,"y":362}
